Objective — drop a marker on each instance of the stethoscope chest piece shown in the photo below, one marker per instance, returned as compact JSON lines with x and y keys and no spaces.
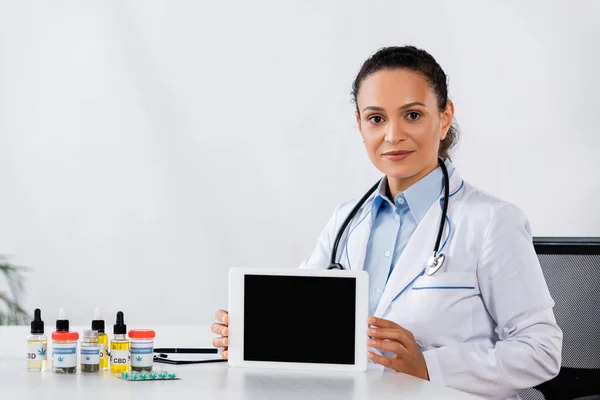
{"x":434,"y":263}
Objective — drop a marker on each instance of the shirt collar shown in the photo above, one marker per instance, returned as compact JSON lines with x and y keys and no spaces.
{"x":419,"y":197}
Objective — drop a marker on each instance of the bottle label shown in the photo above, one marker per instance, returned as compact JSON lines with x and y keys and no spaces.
{"x":36,"y":351}
{"x":119,"y":357}
{"x":103,"y":352}
{"x":141,"y":354}
{"x":90,"y":355}
{"x":64,"y":355}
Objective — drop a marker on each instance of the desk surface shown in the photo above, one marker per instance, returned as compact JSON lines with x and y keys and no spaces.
{"x":205,"y":381}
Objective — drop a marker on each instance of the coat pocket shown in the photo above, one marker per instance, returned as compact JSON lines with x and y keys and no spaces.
{"x":441,"y":308}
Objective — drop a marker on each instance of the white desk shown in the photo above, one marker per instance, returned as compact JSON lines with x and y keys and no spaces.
{"x":203,"y":381}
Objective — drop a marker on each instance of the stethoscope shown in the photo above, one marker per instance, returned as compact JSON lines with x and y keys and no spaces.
{"x":435,"y":262}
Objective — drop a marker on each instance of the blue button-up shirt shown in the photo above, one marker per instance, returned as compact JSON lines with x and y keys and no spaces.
{"x":393,"y":223}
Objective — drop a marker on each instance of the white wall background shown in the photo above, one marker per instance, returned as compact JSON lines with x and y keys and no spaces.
{"x":148,"y":146}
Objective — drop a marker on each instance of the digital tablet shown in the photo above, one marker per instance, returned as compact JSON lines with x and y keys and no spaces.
{"x":298,"y":319}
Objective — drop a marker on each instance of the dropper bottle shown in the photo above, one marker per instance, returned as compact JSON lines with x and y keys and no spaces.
{"x":64,"y":346}
{"x":119,"y":346}
{"x":37,"y":344}
{"x":98,"y":325}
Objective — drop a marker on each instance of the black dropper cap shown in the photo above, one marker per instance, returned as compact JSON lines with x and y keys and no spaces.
{"x":62,"y":323}
{"x":37,"y":325}
{"x":120,"y":328}
{"x":98,"y":324}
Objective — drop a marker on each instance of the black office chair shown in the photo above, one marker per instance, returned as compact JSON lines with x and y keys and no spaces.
{"x":572,"y":269}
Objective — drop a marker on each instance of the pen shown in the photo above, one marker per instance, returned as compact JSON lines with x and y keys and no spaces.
{"x":187,"y":350}
{"x":158,"y":359}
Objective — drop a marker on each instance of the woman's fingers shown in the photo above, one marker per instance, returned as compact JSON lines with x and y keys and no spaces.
{"x":385,"y":361}
{"x":382,"y":323}
{"x":219,"y":329}
{"x":389,"y":330}
{"x":389,"y":336}
{"x":220,"y":342}
{"x":223,"y":317}
{"x":395,"y":334}
{"x":392,"y":346}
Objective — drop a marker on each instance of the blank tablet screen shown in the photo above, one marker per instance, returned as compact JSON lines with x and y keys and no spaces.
{"x":299,"y":319}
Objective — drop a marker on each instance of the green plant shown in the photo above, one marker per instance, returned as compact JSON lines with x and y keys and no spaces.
{"x":11,"y":311}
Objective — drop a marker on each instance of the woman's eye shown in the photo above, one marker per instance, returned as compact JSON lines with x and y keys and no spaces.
{"x":413,"y":116}
{"x":376,"y":119}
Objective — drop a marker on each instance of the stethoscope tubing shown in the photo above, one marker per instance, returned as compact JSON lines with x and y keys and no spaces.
{"x":361,"y":202}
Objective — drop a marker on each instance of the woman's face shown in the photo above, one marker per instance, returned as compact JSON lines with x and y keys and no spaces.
{"x":400,"y":123}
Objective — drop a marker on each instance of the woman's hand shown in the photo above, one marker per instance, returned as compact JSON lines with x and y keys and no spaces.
{"x":389,"y":336}
{"x":221,"y":328}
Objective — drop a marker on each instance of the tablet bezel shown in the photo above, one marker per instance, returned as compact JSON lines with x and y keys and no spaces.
{"x":236,"y":318}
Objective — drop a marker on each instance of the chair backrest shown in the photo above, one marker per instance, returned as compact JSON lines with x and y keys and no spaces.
{"x":571,"y":267}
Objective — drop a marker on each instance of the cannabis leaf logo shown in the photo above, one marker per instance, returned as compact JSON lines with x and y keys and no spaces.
{"x":42,"y":352}
{"x":138,"y":358}
{"x":60,"y":359}
{"x":87,"y":358}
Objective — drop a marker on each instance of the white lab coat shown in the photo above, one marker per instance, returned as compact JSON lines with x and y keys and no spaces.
{"x":491,"y":331}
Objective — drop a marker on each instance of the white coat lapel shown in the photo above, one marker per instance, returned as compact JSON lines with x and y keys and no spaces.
{"x":412,"y":261}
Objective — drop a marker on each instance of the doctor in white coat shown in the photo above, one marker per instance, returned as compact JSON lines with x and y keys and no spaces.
{"x":483,"y":323}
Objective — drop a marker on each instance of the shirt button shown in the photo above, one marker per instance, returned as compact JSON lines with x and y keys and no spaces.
{"x":401,"y":200}
{"x":396,"y":217}
{"x":387,"y":253}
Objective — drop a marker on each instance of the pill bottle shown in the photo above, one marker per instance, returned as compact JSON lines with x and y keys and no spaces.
{"x":90,"y":351}
{"x":64,"y":352}
{"x":64,"y":346}
{"x":142,"y":349}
